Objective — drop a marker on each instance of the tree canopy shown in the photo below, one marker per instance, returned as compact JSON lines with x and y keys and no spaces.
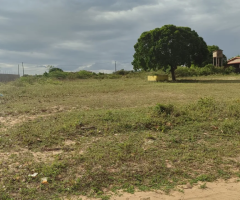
{"x":54,"y":69}
{"x":169,"y":46}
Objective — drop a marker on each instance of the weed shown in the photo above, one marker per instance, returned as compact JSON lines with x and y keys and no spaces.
{"x":4,"y":195}
{"x":151,"y":137}
{"x":104,"y":197}
{"x":203,"y":186}
{"x":163,"y":109}
{"x":181,"y":190}
{"x":206,"y":102}
{"x":203,"y":178}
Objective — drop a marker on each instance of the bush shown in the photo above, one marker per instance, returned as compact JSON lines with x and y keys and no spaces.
{"x":185,"y":72}
{"x":230,"y":70}
{"x":55,"y":69}
{"x":30,"y":79}
{"x":210,"y":66}
{"x":85,"y":74}
{"x":158,"y":72}
{"x":122,"y":72}
{"x":58,"y":74}
{"x":204,"y":71}
{"x":161,"y":108}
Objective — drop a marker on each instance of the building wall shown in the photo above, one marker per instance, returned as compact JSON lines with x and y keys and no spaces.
{"x":237,"y":68}
{"x":8,"y":77}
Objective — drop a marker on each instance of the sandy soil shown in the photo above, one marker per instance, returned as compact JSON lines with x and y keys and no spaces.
{"x":220,"y":190}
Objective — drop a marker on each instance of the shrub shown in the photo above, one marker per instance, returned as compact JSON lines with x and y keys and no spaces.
{"x":55,"y":69}
{"x":185,"y":72}
{"x":161,"y":108}
{"x":204,"y":71}
{"x":58,"y":74}
{"x":158,"y":72}
{"x":206,"y":102}
{"x":229,"y":70}
{"x":210,"y":66}
{"x":122,"y":72}
{"x":30,"y":79}
{"x":85,"y":74}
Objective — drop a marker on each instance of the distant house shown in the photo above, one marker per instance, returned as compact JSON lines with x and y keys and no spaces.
{"x":235,"y":62}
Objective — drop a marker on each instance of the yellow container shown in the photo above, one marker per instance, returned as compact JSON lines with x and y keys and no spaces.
{"x":158,"y":78}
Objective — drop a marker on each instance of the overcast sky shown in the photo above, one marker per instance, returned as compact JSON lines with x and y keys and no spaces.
{"x":93,"y":34}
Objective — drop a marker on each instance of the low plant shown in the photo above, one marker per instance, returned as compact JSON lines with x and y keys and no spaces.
{"x":204,"y":71}
{"x":163,"y":109}
{"x":203,"y":186}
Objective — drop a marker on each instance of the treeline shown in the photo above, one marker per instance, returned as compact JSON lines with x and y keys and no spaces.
{"x":181,"y":71}
{"x":83,"y":74}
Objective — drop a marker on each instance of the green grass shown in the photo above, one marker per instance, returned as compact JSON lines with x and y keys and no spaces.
{"x":96,"y":137}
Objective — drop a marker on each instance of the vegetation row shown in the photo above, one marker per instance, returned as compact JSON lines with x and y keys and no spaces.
{"x":181,"y":71}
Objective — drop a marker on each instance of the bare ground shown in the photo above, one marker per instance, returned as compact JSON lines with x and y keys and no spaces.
{"x":219,"y":190}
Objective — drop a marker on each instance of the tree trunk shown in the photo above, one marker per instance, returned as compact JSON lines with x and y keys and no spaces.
{"x":173,"y":73}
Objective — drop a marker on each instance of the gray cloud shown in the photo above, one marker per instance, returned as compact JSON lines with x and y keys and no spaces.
{"x":80,"y":34}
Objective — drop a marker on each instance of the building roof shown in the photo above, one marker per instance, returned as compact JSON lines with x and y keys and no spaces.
{"x":233,"y":61}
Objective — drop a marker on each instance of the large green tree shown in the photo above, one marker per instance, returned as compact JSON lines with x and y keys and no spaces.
{"x":169,"y":46}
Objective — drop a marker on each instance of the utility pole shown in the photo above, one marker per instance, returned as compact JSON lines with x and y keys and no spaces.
{"x":115,"y":66}
{"x":18,"y":69}
{"x":23,"y":68}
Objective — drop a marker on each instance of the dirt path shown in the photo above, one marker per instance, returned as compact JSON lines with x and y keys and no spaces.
{"x":220,"y":190}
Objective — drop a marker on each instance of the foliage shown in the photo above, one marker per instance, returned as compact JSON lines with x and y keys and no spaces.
{"x":161,"y":108}
{"x":54,"y":72}
{"x":122,"y":72}
{"x":209,"y":59}
{"x":55,"y":77}
{"x":58,"y":74}
{"x":85,"y":74}
{"x":169,"y":46}
{"x":234,"y":57}
{"x":205,"y":71}
{"x":4,"y":195}
{"x":55,"y":69}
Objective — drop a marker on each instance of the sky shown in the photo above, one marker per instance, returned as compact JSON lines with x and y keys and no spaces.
{"x":92,"y":34}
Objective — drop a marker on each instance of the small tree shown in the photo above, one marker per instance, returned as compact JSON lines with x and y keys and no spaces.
{"x":53,"y":69}
{"x":169,"y":46}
